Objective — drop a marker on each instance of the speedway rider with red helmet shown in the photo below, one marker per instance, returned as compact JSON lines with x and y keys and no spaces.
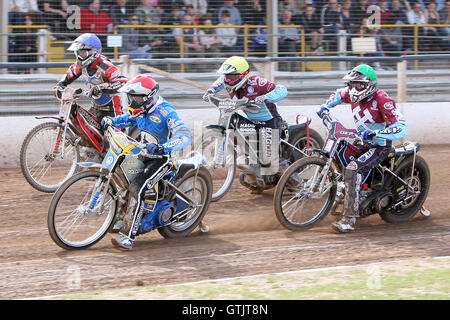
{"x":235,"y":78}
{"x":163,"y":131}
{"x":379,"y":121}
{"x":101,"y":76}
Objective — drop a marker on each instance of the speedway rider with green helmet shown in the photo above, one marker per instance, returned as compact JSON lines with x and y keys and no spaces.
{"x":379,"y":121}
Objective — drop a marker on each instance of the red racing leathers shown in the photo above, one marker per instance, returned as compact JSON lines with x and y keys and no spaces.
{"x":107,"y":76}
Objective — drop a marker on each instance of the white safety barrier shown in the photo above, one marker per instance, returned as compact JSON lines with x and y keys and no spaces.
{"x":428,"y":124}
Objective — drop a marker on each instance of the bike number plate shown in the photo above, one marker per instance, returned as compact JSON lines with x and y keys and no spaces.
{"x":110,"y":160}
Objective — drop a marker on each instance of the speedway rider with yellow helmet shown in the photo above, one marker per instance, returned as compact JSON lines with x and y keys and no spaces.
{"x":236,"y":79}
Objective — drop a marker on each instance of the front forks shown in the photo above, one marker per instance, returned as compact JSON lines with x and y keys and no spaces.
{"x":100,"y":189}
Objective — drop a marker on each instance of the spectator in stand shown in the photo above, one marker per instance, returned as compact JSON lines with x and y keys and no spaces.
{"x":398,"y":14}
{"x":258,"y":44}
{"x":295,"y":6}
{"x":200,"y":6}
{"x":359,"y":12}
{"x":120,"y":12}
{"x":391,"y":38}
{"x":228,"y":36}
{"x":313,"y":29}
{"x":130,"y":41}
{"x":26,"y":44}
{"x":432,"y":17}
{"x":209,"y":39}
{"x":97,"y":21}
{"x":252,"y":11}
{"x":174,"y":16}
{"x":444,"y":15}
{"x":235,"y":14}
{"x":18,"y":8}
{"x":167,"y":5}
{"x":348,"y":20}
{"x":151,"y":36}
{"x":331,"y":21}
{"x":191,"y":11}
{"x":385,"y":12}
{"x":288,"y":40}
{"x":192,"y":47}
{"x":439,"y":34}
{"x":55,"y":16}
{"x":149,"y":7}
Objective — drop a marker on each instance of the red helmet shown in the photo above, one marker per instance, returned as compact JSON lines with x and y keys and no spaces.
{"x":142,"y":92}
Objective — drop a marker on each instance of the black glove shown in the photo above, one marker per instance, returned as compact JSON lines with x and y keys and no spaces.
{"x":95,"y":92}
{"x":57,"y":91}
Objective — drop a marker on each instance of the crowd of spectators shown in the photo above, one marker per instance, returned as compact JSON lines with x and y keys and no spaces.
{"x":321,"y":20}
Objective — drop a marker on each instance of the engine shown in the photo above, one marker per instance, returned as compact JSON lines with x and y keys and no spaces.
{"x":374,"y":201}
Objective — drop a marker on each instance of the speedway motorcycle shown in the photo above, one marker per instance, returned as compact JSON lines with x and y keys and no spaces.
{"x":231,"y":142}
{"x":313,"y":187}
{"x":51,"y":150}
{"x":87,"y":205}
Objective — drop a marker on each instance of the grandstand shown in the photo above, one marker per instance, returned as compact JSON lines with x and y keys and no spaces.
{"x":40,"y":31}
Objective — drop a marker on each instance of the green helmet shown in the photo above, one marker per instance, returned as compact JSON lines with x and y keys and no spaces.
{"x":362,"y":81}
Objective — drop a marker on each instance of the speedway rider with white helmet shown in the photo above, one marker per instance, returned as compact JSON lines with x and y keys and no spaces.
{"x":379,"y":122}
{"x":101,"y":76}
{"x":236,"y":79}
{"x":163,"y":131}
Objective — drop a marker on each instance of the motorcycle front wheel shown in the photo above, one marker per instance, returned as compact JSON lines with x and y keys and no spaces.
{"x":223,"y":167}
{"x":41,"y":160}
{"x":298,"y":201}
{"x":75,"y":217}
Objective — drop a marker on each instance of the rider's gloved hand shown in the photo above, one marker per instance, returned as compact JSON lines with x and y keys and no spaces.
{"x":95,"y":91}
{"x":207,"y":93}
{"x":368,"y":135}
{"x":106,"y":122}
{"x":154,"y":148}
{"x":323,"y":109}
{"x":57,"y":91}
{"x":260,"y":99}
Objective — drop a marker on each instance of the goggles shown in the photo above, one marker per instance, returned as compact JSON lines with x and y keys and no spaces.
{"x":357,"y":85}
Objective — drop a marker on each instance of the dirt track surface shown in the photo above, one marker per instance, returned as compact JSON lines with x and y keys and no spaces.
{"x":245,"y":239}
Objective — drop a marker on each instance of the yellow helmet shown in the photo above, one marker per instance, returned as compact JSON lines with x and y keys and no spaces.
{"x":236,"y":71}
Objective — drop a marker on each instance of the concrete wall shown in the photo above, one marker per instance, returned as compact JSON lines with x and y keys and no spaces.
{"x":429,"y":123}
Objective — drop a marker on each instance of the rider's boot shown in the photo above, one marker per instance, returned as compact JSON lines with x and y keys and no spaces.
{"x":123,"y":240}
{"x":351,"y":201}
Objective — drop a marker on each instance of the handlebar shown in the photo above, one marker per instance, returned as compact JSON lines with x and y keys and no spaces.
{"x":228,"y":104}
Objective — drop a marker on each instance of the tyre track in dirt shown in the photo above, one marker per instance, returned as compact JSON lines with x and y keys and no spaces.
{"x":245,"y":239}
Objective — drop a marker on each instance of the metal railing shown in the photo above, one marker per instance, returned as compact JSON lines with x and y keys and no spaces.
{"x":304,"y":87}
{"x":45,"y":37}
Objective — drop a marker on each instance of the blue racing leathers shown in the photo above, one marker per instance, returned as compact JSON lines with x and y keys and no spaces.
{"x":162,"y":123}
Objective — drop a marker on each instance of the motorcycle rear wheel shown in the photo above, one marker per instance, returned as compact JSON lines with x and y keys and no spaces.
{"x":420,"y":181}
{"x":41,"y":167}
{"x":298,"y":206}
{"x":71,"y":224}
{"x":198,"y":187}
{"x":300,"y":141}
